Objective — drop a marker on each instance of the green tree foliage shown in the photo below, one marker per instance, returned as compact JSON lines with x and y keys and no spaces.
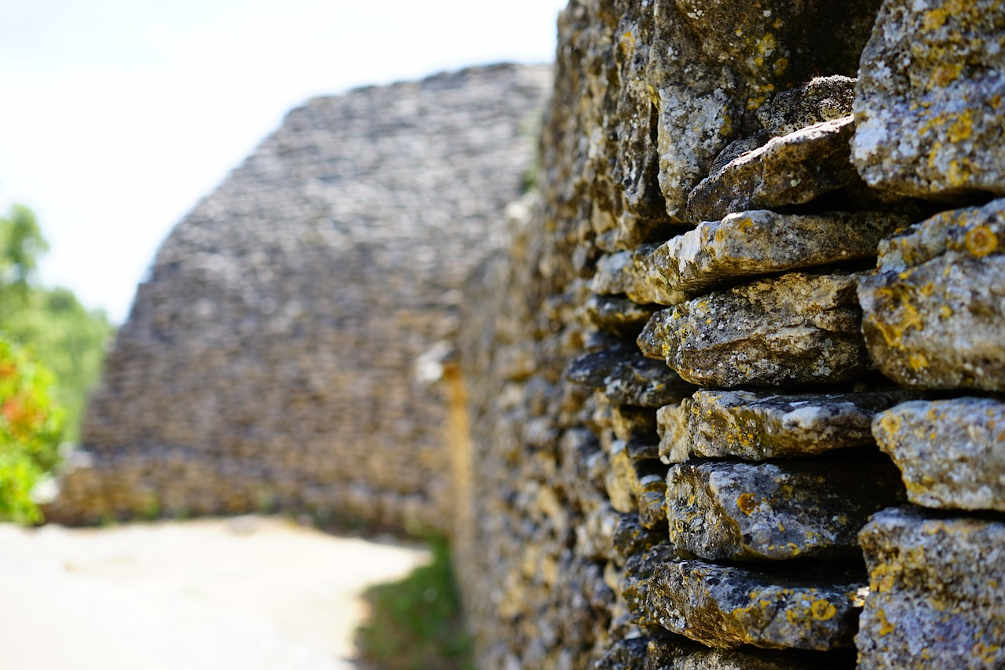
{"x":30,"y":429}
{"x":50,"y":324}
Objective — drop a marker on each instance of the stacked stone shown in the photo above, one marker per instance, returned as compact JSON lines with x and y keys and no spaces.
{"x":283,"y":352}
{"x":691,"y":490}
{"x":934,"y":319}
{"x":568,"y":487}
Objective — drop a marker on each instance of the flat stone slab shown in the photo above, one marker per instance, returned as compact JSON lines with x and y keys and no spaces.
{"x":627,"y":378}
{"x":819,"y":99}
{"x":755,"y":426}
{"x":928,"y":104}
{"x":951,"y":452}
{"x":671,"y":652}
{"x":726,"y":607}
{"x":796,"y":329}
{"x":764,"y":511}
{"x":936,"y":593}
{"x":615,"y":314}
{"x":934,"y":309}
{"x":757,"y":242}
{"x":789,"y":170}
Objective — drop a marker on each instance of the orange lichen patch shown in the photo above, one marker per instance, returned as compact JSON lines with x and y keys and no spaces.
{"x":747,"y":503}
{"x":981,"y":241}
{"x":822,"y":610}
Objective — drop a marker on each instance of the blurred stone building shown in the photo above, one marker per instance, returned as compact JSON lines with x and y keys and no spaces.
{"x":283,"y":351}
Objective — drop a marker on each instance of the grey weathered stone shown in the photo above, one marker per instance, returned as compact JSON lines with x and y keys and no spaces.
{"x":726,"y":607}
{"x":789,"y":170}
{"x":742,"y":511}
{"x":819,"y":99}
{"x":756,"y":426}
{"x":627,"y":378}
{"x":757,"y":242}
{"x":631,"y":538}
{"x":629,"y":462}
{"x":951,"y":452}
{"x":936,"y":593}
{"x":615,"y":314}
{"x":798,"y":328}
{"x":929,"y":98}
{"x":651,"y":499}
{"x":934,"y":310}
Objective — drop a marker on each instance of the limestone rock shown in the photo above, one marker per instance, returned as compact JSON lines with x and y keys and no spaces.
{"x":629,"y":463}
{"x":798,"y":328}
{"x":633,"y":423}
{"x":756,"y":426}
{"x":757,"y":242}
{"x":631,"y":538}
{"x":934,"y":310}
{"x":726,"y":607}
{"x":651,"y":497}
{"x":951,"y":452}
{"x":936,"y":593}
{"x":741,"y":511}
{"x":929,"y":99}
{"x":788,"y":170}
{"x":820,"y":99}
{"x":617,"y":315}
{"x":627,"y":378}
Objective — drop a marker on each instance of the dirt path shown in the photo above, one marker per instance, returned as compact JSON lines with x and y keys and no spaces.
{"x":248,"y":593}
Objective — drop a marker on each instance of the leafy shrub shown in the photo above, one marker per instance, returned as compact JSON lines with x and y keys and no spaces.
{"x":30,"y":430}
{"x":416,"y":623}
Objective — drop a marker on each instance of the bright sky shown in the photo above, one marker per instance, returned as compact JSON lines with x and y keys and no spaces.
{"x":117,"y":115}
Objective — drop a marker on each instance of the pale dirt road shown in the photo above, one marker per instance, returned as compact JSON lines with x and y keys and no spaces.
{"x":251,"y":593}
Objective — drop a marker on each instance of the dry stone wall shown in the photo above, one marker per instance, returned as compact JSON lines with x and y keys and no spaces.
{"x":750,"y":329}
{"x":282,"y":352}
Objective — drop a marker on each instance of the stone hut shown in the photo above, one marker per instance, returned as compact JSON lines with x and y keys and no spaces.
{"x":283,"y":351}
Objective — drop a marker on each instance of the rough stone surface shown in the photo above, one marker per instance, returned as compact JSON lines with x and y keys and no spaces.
{"x":951,"y":452}
{"x":928,"y":105}
{"x":741,"y":511}
{"x":934,"y":309}
{"x":726,"y":607}
{"x":798,"y":328}
{"x":627,"y":378}
{"x":820,"y":99}
{"x":757,"y":242}
{"x":756,"y":426}
{"x":789,"y":170}
{"x":280,"y":353}
{"x":936,"y":593}
{"x":651,"y":98}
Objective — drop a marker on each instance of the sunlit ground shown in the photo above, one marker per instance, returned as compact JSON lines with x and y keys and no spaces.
{"x":247,"y":593}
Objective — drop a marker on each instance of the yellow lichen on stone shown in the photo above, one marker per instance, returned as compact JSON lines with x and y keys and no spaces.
{"x":885,"y":627}
{"x":917,"y":361}
{"x":963,"y":127}
{"x":981,"y":241}
{"x":822,"y":610}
